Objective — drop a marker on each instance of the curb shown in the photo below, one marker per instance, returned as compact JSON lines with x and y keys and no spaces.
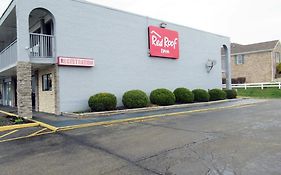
{"x":20,"y":126}
{"x":142,"y":118}
{"x":8,"y":113}
{"x":45,"y":125}
{"x":147,"y":109}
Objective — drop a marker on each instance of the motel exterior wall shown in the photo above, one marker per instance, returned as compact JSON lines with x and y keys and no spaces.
{"x":118,"y":42}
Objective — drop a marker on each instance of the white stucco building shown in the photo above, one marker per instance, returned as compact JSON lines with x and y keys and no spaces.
{"x":55,"y":54}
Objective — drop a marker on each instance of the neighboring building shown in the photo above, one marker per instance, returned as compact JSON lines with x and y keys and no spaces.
{"x":55,"y":54}
{"x":255,"y":62}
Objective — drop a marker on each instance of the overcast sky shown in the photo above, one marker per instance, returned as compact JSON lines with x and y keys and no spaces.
{"x":245,"y":21}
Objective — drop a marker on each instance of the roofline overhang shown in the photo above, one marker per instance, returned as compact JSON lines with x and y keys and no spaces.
{"x":7,"y":11}
{"x":257,"y":51}
{"x":276,"y":45}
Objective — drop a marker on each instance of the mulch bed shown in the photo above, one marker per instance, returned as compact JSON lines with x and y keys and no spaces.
{"x":4,"y":121}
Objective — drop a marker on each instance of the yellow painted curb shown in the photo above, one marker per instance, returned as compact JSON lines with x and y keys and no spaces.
{"x":20,"y":126}
{"x":147,"y":109}
{"x":146,"y":117}
{"x":45,"y":125}
{"x":8,"y":113}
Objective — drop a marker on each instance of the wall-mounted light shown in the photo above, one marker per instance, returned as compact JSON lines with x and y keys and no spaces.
{"x":163,"y":25}
{"x":210,"y":65}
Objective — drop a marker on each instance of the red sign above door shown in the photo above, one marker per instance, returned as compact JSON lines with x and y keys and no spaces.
{"x":163,"y":42}
{"x":74,"y":61}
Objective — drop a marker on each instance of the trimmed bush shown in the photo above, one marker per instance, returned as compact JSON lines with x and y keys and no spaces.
{"x":102,"y":102}
{"x":183,"y":95}
{"x":135,"y":99}
{"x":201,"y":95}
{"x":217,"y":94}
{"x":230,"y":94}
{"x":162,"y":97}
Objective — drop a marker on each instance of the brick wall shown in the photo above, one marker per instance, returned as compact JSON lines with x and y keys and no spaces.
{"x":47,"y":99}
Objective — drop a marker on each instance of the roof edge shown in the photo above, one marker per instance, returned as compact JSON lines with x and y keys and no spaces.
{"x":4,"y":13}
{"x":258,"y":51}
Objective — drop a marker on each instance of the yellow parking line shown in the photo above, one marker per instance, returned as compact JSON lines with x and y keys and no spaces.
{"x":9,"y":133}
{"x":24,"y":137}
{"x":20,"y":126}
{"x":148,"y":117}
{"x":37,"y":132}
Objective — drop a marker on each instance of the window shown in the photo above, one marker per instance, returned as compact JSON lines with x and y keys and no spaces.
{"x":47,"y":82}
{"x":277,"y":57}
{"x":239,"y":59}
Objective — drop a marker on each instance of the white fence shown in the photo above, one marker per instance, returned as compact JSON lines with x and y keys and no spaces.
{"x":41,"y":45}
{"x":8,"y":56}
{"x":256,"y":85}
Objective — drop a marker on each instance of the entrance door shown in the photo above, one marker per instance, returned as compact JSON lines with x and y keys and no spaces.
{"x":7,"y":93}
{"x":1,"y":94}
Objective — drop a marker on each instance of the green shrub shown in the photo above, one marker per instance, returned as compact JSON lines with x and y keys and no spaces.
{"x":135,"y":99}
{"x":162,"y":97}
{"x":18,"y":121}
{"x":230,"y":94}
{"x":183,"y":95}
{"x":278,"y":68}
{"x":201,"y":95}
{"x":217,"y":94}
{"x":102,"y":102}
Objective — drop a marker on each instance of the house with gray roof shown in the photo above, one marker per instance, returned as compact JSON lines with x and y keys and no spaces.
{"x":256,"y":62}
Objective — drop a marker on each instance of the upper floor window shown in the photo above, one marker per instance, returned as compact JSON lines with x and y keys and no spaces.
{"x":277,"y":57}
{"x":239,"y":59}
{"x":47,"y":82}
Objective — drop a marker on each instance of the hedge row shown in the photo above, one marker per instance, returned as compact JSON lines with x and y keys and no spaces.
{"x":162,"y":97}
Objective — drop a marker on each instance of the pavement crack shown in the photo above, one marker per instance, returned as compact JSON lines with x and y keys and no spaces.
{"x":180,"y":129}
{"x":188,"y":145}
{"x":97,"y":147}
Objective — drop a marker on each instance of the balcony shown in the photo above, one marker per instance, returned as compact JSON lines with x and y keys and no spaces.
{"x":41,"y":46}
{"x":41,"y":50}
{"x":8,"y":56}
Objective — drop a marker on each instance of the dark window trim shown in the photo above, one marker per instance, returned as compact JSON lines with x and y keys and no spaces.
{"x":49,"y":84}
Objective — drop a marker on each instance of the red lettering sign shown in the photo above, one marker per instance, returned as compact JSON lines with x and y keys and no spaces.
{"x":163,"y":42}
{"x":73,"y":61}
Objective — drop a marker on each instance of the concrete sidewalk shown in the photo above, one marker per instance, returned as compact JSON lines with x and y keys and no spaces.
{"x":67,"y":121}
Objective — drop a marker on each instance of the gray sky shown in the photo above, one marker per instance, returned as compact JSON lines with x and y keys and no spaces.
{"x":245,"y":21}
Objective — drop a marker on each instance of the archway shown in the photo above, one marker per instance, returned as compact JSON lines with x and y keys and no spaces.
{"x":42,"y":31}
{"x":226,"y":68}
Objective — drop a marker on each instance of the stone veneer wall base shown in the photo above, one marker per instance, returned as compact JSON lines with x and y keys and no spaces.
{"x":24,"y":90}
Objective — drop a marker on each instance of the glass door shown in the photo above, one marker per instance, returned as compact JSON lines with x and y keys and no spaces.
{"x":8,"y":93}
{"x":1,"y":94}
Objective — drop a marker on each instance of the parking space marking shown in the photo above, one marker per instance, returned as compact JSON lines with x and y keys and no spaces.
{"x":37,"y":132}
{"x":9,"y":133}
{"x":25,"y":137}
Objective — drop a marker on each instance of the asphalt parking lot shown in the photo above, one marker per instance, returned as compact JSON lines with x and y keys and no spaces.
{"x":240,"y":140}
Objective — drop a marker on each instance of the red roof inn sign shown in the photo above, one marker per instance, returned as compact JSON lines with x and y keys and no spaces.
{"x":74,"y":61}
{"x":163,"y":42}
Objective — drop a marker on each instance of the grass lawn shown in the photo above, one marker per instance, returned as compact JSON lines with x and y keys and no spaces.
{"x":260,"y":93}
